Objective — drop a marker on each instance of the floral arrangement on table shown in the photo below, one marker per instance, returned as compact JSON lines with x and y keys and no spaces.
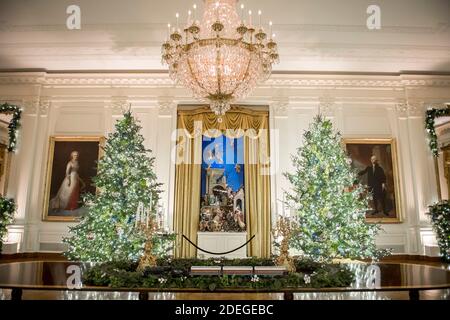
{"x":440,"y":217}
{"x":175,"y":273}
{"x":7,"y":208}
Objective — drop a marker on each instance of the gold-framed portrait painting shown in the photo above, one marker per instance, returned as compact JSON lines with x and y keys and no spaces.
{"x":72,"y":163}
{"x":375,"y":161}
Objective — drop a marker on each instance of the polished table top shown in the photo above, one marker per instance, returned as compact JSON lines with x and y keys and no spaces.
{"x":380,"y":276}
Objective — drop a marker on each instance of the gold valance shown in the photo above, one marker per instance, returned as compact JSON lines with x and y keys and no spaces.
{"x":237,"y":119}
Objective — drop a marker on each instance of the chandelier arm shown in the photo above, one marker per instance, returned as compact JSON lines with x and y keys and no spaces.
{"x":227,"y":41}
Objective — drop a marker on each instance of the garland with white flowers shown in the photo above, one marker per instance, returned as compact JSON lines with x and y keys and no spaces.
{"x":431,"y":115}
{"x":440,"y":217}
{"x":13,"y":125}
{"x":7,"y":208}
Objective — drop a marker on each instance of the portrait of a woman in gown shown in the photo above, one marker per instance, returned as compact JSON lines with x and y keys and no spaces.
{"x":71,"y":167}
{"x":68,"y":195}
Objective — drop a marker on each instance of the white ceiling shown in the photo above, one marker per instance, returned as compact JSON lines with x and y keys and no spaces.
{"x":313,"y":35}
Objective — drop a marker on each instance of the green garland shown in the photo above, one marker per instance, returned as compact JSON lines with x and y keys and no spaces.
{"x":431,"y":115}
{"x":7,"y":208}
{"x":440,"y":216}
{"x":13,"y":125}
{"x":175,"y":274}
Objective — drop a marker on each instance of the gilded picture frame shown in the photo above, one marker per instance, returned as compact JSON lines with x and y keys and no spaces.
{"x":5,"y":164}
{"x":71,"y":165}
{"x":5,"y":154}
{"x":377,"y":166}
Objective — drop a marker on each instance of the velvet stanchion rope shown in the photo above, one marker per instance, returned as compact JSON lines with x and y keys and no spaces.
{"x":219,"y":253}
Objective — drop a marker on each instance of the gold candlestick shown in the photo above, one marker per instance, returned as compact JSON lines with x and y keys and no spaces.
{"x":283,"y":229}
{"x":147,"y":259}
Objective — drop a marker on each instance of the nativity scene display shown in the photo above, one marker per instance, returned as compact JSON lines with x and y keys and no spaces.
{"x":222,"y":202}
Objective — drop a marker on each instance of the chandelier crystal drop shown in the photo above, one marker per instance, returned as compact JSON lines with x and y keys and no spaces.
{"x":222,"y":57}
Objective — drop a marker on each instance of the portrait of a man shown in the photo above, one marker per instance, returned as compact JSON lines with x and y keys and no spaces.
{"x":376,"y":182}
{"x":374,"y":161}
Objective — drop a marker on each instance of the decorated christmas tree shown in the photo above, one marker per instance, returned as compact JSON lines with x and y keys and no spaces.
{"x":125,"y":181}
{"x":330,"y":205}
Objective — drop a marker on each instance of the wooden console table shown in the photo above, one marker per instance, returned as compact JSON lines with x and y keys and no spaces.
{"x":39,"y":275}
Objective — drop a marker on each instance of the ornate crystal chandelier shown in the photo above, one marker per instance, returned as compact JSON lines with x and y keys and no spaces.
{"x":223,"y":57}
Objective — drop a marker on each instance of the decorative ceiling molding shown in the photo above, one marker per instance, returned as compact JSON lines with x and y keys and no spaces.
{"x":166,"y":106}
{"x":411,"y":107}
{"x":44,"y":105}
{"x":50,"y":80}
{"x":416,"y":108}
{"x":119,"y":104}
{"x":31,"y":105}
{"x":22,"y":79}
{"x":161,"y":28}
{"x":280,"y":107}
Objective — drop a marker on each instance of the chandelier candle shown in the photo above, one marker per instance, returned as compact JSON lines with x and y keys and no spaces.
{"x":259,"y":17}
{"x":220,"y":59}
{"x":270,"y":29}
{"x":195,"y":12}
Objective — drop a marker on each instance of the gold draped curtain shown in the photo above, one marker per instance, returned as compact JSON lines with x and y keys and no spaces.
{"x":192,"y":124}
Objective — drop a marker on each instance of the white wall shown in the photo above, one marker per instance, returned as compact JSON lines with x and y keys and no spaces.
{"x":370,"y":106}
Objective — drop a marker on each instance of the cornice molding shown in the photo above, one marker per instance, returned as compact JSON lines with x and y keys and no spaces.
{"x":31,"y":105}
{"x":44,"y":105}
{"x":280,"y":107}
{"x":166,"y":106}
{"x":155,"y":80}
{"x":118,"y":105}
{"x":411,"y":108}
{"x":22,"y":78}
{"x":437,"y":28}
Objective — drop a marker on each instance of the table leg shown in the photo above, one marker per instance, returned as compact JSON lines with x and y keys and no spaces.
{"x":288,"y":295}
{"x":143,"y":295}
{"x":414,"y":294}
{"x":16,"y":294}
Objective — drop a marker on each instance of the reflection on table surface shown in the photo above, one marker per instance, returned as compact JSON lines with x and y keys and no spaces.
{"x":367,"y":276}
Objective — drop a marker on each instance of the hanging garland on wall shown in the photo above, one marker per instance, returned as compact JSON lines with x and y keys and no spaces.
{"x":13,"y":125}
{"x":7,"y":208}
{"x":431,"y":115}
{"x":440,"y":216}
